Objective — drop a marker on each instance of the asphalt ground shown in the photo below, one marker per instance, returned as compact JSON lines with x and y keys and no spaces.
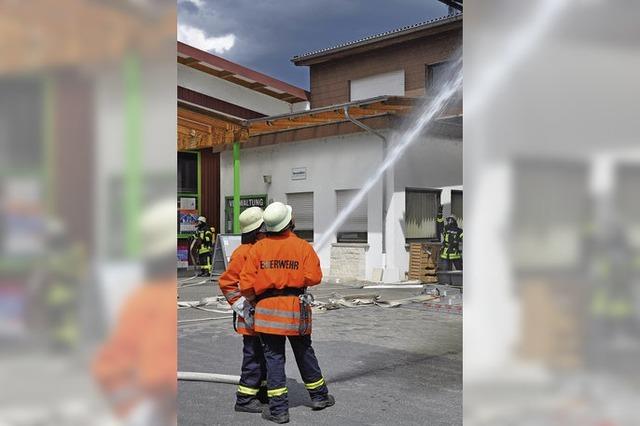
{"x":383,"y":365}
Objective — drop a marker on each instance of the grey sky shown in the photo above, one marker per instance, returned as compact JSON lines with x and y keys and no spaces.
{"x":265,"y":34}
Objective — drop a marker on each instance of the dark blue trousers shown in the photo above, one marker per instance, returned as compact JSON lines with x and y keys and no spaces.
{"x":274,"y":346}
{"x":254,"y":370}
{"x":448,"y":265}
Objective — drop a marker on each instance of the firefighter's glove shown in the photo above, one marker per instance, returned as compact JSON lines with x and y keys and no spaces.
{"x":238,"y":306}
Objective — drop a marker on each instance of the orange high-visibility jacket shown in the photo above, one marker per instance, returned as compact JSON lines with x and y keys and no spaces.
{"x":139,"y":359}
{"x":280,"y":262}
{"x":229,"y":283}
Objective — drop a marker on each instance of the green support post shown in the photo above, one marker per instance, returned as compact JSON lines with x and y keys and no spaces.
{"x":236,"y":187}
{"x":48,"y":142}
{"x":133,"y":155}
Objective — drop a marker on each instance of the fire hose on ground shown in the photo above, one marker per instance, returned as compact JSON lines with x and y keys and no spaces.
{"x":336,"y":302}
{"x":208,"y":377}
{"x":355,"y":301}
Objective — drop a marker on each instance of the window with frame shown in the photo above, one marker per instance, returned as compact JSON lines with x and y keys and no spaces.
{"x":437,"y":75}
{"x":456,"y":205}
{"x":421,"y":209}
{"x":389,"y":83}
{"x":188,"y":172}
{"x":354,"y":229}
{"x":302,"y":205}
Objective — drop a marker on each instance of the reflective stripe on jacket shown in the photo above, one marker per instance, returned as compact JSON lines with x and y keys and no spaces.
{"x":206,"y":240}
{"x":279,"y":262}
{"x":229,"y":283}
{"x":451,"y":244}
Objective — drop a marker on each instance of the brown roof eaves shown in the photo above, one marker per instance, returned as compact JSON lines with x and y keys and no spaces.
{"x":238,"y":74}
{"x":200,"y":99}
{"x":387,"y":38}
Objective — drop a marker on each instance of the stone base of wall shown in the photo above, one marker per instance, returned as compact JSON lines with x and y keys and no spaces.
{"x":348,"y":260}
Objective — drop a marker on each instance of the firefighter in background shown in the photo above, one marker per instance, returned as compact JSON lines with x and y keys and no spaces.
{"x":439,"y":223}
{"x":60,"y":285}
{"x":252,"y":388}
{"x":451,"y":253}
{"x":205,"y":238}
{"x":275,"y":276}
{"x":612,"y":307}
{"x":136,"y":366}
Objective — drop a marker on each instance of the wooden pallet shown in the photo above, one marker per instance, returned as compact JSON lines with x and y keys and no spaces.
{"x":423,"y":263}
{"x":552,"y":324}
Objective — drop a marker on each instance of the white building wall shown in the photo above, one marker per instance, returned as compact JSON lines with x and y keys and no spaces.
{"x":433,"y":163}
{"x":346,"y":162}
{"x":232,"y":93}
{"x":332,"y":164}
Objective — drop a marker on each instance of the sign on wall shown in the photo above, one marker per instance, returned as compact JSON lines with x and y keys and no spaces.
{"x":187,"y":203}
{"x":299,"y":173}
{"x":246,"y":201}
{"x":183,"y":257}
{"x":187,"y":221}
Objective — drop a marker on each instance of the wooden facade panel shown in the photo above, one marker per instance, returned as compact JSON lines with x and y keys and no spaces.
{"x":330,"y":80}
{"x":210,"y":187}
{"x":73,"y":160}
{"x":194,"y":135}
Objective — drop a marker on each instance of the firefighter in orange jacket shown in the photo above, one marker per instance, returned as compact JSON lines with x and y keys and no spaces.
{"x":251,"y":390}
{"x":275,"y":276}
{"x":136,"y":365}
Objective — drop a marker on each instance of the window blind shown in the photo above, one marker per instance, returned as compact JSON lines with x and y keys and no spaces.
{"x":420,"y":213}
{"x":357,"y":221}
{"x":302,"y":205}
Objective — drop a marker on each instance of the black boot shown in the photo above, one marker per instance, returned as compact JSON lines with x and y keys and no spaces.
{"x":280,"y":418}
{"x":252,"y":406}
{"x":262,"y":395}
{"x":321,"y":404}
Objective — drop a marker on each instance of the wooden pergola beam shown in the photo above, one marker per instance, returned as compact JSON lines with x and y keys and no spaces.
{"x":273,"y":126}
{"x":386,"y":107}
{"x":308,"y":119}
{"x":258,"y":128}
{"x":393,"y":106}
{"x":330,"y":115}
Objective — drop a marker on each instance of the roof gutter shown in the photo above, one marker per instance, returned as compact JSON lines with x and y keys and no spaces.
{"x":384,"y":181}
{"x":312,"y":57}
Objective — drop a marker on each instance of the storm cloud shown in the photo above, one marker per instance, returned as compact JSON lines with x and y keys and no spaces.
{"x":267,"y":33}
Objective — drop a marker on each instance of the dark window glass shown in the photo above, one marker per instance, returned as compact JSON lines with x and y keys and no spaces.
{"x":188,"y":172}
